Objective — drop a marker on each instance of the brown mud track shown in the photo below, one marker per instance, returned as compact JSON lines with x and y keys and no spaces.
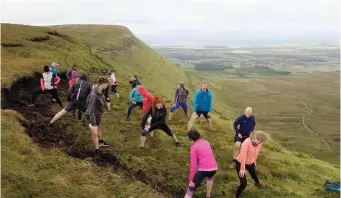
{"x":36,"y":123}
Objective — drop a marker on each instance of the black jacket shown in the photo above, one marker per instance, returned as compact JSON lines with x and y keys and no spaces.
{"x":158,"y":118}
{"x":79,"y":92}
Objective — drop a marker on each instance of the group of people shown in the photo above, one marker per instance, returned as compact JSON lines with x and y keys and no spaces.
{"x":248,"y":142}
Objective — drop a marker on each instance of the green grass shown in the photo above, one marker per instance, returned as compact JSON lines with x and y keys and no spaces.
{"x":31,"y":171}
{"x":288,"y":174}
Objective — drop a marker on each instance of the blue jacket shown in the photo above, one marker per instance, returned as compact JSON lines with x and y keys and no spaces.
{"x":246,"y":125}
{"x":135,"y":96}
{"x":202,"y":101}
{"x":53,"y":70}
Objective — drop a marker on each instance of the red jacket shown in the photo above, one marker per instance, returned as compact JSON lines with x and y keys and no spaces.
{"x":147,"y":97}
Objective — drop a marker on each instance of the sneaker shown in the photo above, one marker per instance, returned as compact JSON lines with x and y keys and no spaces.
{"x":233,"y":165}
{"x":178,"y":144}
{"x":54,"y":100}
{"x":31,"y":105}
{"x":260,"y":185}
{"x":103,"y":144}
{"x":128,"y":119}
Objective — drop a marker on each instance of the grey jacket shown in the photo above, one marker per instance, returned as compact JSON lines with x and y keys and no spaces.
{"x":96,"y":106}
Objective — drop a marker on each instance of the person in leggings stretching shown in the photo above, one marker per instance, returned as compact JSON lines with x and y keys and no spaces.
{"x":203,"y":157}
{"x":158,"y":114}
{"x":247,"y":160}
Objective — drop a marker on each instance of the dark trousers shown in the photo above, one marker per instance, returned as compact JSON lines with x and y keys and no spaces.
{"x":251,"y":168}
{"x":53,"y":92}
{"x":132,"y":106}
{"x":163,"y":127}
{"x":114,"y":89}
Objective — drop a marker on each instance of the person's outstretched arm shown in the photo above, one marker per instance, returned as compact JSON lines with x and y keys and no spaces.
{"x":243,"y":153}
{"x":92,"y":110}
{"x":70,"y":92}
{"x":176,"y":95}
{"x":145,"y":118}
{"x":42,"y":83}
{"x":131,"y":95}
{"x":193,"y":163}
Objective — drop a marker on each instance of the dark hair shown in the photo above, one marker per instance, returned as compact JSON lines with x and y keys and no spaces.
{"x":46,"y":68}
{"x":193,"y":135}
{"x":102,"y":80}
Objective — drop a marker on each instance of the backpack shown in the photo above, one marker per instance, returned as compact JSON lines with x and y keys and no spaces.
{"x":332,"y":186}
{"x":183,"y":92}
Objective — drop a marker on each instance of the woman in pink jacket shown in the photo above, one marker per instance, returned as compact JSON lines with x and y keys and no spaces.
{"x":201,"y":156}
{"x":247,"y":160}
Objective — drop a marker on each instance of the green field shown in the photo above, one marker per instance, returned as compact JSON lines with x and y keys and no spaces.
{"x":161,"y":169}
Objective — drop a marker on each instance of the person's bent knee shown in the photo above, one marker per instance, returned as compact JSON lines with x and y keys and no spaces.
{"x":144,"y":132}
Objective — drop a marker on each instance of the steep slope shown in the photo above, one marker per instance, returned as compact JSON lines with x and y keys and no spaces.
{"x":161,"y":166}
{"x":128,"y":55}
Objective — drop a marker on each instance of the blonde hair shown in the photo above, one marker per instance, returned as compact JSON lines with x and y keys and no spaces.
{"x":259,"y":134}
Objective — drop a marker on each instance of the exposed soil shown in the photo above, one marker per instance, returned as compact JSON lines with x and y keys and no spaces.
{"x":36,"y":123}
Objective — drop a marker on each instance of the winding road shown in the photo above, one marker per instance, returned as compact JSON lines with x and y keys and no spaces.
{"x":305,"y":126}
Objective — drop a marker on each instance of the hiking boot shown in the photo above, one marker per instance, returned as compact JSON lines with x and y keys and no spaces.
{"x":103,"y":144}
{"x":260,"y":185}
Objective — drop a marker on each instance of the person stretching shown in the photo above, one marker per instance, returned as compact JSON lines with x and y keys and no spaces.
{"x":180,"y":99}
{"x":47,"y":86}
{"x":202,"y":104}
{"x":247,"y":160}
{"x":246,"y":123}
{"x":158,"y":114}
{"x":77,"y":95}
{"x":203,"y":157}
{"x":136,"y":100}
{"x":94,"y":112}
{"x":146,"y":97}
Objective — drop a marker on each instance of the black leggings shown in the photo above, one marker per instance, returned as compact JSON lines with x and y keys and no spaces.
{"x":163,"y":127}
{"x":252,"y":170}
{"x":113,"y":89}
{"x":198,"y":178}
{"x":53,"y":92}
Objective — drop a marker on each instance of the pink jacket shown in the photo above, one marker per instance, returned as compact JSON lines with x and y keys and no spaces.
{"x":147,"y":97}
{"x":248,"y":153}
{"x":201,"y":154}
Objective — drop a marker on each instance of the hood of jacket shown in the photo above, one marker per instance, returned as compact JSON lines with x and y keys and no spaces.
{"x":84,"y":77}
{"x":141,"y":90}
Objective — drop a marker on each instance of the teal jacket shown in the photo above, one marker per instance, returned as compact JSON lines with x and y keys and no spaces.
{"x":202,"y":101}
{"x":135,"y":96}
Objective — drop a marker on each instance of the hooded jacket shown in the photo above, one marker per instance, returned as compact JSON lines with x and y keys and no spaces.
{"x":146,"y":97}
{"x":79,"y":92}
{"x":158,"y":118}
{"x":96,"y":105}
{"x":134,"y":96}
{"x":202,"y":101}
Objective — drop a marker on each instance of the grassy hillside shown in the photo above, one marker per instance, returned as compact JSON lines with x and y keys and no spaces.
{"x":280,"y":113}
{"x":161,"y":166}
{"x":128,"y":55}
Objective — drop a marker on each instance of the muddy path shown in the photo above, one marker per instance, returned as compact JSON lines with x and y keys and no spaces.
{"x":55,"y":136}
{"x":309,"y":129}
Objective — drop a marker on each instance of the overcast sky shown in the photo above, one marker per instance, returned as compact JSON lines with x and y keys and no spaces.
{"x":157,"y":18}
